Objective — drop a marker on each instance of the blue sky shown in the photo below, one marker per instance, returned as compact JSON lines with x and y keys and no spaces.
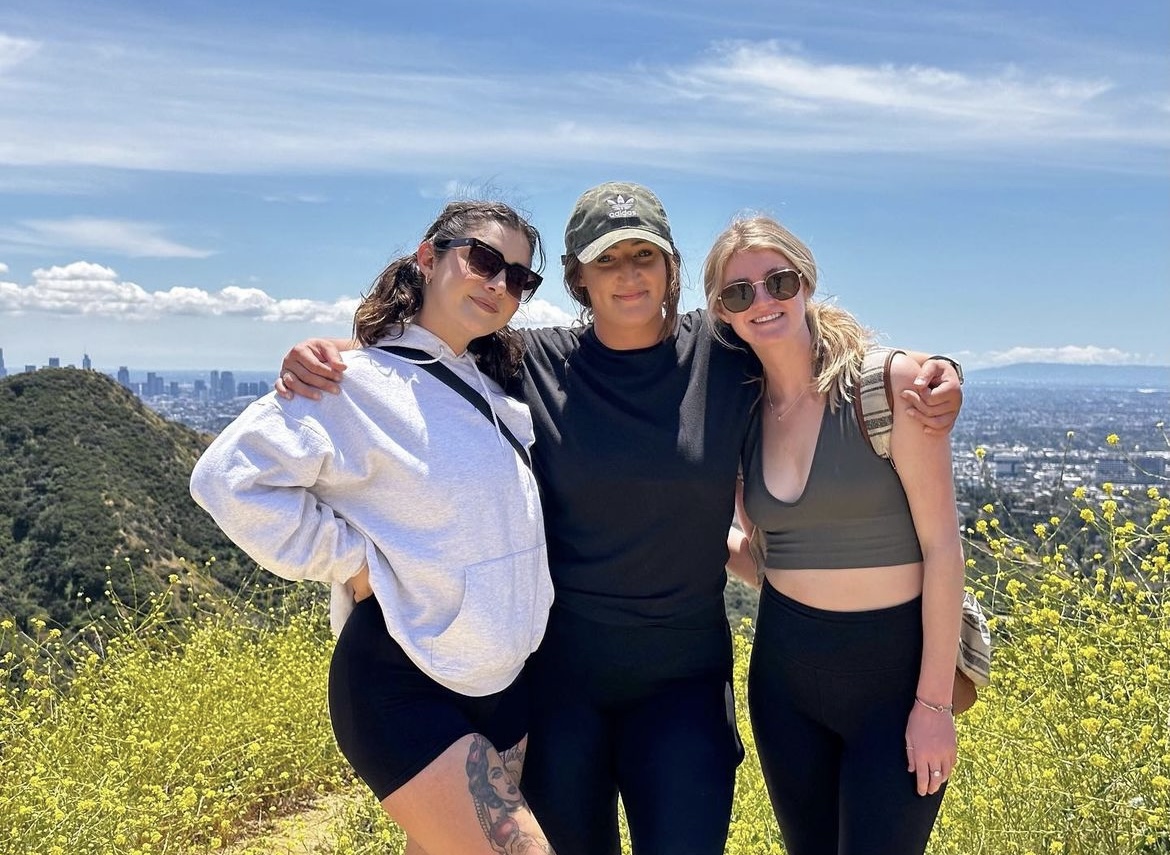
{"x":198,"y":185}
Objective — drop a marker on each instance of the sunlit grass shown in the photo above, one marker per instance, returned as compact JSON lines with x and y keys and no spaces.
{"x":162,"y":736}
{"x":154,"y":734}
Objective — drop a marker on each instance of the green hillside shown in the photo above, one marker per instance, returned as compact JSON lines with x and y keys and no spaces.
{"x":91,"y":479}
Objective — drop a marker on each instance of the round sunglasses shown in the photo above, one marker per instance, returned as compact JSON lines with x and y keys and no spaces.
{"x":485,"y":262}
{"x":783,"y":284}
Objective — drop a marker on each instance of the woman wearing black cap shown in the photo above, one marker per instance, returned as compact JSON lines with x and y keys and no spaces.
{"x":640,"y":416}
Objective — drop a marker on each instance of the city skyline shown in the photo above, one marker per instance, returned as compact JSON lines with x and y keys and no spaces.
{"x":1160,"y":377}
{"x":86,"y":363}
{"x":1043,"y":429}
{"x":990,"y":180}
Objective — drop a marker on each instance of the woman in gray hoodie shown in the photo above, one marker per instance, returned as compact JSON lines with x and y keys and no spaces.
{"x":412,"y":494}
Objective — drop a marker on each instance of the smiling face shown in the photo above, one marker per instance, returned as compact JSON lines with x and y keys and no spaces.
{"x":459,"y":306}
{"x":626,"y":285}
{"x":767,"y":321}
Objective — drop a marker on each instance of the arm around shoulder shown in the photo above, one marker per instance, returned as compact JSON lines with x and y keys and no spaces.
{"x":935,"y":395}
{"x":313,"y":366}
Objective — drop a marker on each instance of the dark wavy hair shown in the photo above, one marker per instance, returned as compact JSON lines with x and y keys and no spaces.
{"x":477,"y":774}
{"x":397,"y":294}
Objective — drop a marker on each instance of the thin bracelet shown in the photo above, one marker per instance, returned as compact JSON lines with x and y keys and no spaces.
{"x":947,"y":708}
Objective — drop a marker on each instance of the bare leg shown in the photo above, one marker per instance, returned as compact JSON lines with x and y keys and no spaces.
{"x":468,"y":801}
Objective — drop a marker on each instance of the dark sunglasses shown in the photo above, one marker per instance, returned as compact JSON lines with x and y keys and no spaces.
{"x":486,"y":262}
{"x":784,"y":284}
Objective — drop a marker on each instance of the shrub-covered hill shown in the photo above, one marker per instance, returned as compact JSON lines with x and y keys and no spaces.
{"x":91,"y":482}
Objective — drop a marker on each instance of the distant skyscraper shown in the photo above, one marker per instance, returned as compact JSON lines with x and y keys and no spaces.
{"x":124,"y":376}
{"x":227,"y":386}
{"x":54,"y":362}
{"x":213,"y":386}
{"x":85,"y":362}
{"x":3,"y":370}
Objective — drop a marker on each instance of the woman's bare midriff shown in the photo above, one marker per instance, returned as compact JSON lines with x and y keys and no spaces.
{"x":853,"y":590}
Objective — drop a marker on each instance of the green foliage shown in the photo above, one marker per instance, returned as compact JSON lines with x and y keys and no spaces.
{"x":1069,"y":750}
{"x":151,"y":733}
{"x":90,"y":473}
{"x":739,"y":601}
{"x":168,"y":735}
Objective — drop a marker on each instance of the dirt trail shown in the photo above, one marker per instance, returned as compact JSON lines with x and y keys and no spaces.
{"x":308,"y":832}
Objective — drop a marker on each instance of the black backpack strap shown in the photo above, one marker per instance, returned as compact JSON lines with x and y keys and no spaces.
{"x":422,"y":359}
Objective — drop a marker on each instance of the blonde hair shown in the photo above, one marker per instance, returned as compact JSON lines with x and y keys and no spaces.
{"x":839,"y":341}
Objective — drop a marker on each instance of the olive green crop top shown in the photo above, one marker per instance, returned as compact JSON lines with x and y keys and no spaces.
{"x":852,"y":513}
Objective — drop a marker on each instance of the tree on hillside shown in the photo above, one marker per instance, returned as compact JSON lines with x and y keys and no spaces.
{"x":92,"y":477}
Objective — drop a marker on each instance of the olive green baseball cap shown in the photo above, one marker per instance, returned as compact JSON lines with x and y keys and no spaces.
{"x":612,"y":212}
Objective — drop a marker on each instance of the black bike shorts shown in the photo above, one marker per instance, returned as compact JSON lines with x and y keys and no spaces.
{"x":391,"y":720}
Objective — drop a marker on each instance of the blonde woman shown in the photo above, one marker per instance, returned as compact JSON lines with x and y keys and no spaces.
{"x":854,"y":654}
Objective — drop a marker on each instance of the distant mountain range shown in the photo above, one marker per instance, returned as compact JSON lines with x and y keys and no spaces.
{"x":1127,"y":376}
{"x":1040,"y":372}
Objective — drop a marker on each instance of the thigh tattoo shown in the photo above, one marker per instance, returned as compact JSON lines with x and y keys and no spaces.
{"x":493,"y":781}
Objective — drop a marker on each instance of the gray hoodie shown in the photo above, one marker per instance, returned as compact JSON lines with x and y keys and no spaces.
{"x":399,"y":472}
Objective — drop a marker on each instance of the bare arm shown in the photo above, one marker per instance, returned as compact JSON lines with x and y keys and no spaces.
{"x":935,"y":395}
{"x":924,"y":467}
{"x":741,"y":562}
{"x":313,"y":366}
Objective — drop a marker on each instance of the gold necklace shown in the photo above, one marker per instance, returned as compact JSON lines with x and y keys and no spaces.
{"x":789,"y":408}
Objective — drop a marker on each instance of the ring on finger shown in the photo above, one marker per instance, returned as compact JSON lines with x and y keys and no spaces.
{"x":936,"y":773}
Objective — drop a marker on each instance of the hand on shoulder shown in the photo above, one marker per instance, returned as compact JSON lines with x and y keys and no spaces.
{"x":930,"y":394}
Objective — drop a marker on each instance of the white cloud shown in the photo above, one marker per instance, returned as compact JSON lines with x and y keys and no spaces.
{"x":14,"y":51}
{"x":453,"y":188}
{"x":303,"y":198}
{"x":3,"y":268}
{"x":84,"y":288}
{"x":92,"y":291}
{"x":541,"y":313}
{"x":122,"y":237}
{"x":1068,"y":354}
{"x":773,"y":79}
{"x":234,"y":113}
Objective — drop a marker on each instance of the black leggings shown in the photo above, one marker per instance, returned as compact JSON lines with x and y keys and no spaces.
{"x":644,"y":710}
{"x":829,"y":695}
